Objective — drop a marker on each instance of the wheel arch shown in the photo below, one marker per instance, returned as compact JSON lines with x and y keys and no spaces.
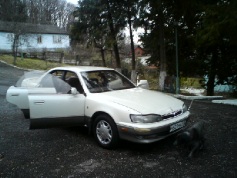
{"x":94,"y":116}
{"x":105,"y":130}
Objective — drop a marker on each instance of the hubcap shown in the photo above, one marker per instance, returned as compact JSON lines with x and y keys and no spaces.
{"x":104,"y":132}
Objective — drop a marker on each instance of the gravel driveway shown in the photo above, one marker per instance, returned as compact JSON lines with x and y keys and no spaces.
{"x":71,"y":152}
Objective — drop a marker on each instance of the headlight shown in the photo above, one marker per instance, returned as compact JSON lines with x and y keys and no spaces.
{"x":150,"y":118}
{"x":184,"y":108}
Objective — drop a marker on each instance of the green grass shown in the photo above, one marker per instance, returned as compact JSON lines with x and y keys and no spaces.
{"x":28,"y":63}
{"x":191,"y":82}
{"x":185,"y":82}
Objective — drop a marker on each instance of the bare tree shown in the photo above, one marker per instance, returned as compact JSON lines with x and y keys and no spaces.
{"x":13,"y":14}
{"x":17,"y":35}
{"x":64,"y":12}
{"x":54,"y":12}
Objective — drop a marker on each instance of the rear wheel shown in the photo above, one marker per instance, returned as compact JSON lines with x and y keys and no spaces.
{"x":105,"y":131}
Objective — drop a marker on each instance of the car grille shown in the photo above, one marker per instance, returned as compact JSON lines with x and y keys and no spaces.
{"x":171,"y":115}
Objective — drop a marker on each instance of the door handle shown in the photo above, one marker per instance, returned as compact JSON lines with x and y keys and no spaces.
{"x":39,"y":102}
{"x":15,"y":94}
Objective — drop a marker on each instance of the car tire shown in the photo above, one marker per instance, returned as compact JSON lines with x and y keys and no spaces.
{"x":105,"y":131}
{"x":26,"y":113}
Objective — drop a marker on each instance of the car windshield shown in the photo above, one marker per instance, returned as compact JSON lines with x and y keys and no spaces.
{"x":106,"y":80}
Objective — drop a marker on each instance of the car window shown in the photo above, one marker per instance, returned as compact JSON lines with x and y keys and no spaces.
{"x":104,"y":81}
{"x":55,"y":81}
{"x":69,"y":75}
{"x":72,"y":79}
{"x":29,"y":79}
{"x":58,"y":73}
{"x":60,"y":85}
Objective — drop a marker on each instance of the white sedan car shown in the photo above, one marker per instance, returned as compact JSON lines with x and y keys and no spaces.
{"x":103,"y":100}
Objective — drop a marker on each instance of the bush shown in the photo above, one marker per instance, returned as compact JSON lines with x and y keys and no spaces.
{"x":187,"y":82}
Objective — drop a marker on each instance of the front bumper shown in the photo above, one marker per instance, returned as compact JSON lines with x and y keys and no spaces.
{"x":152,"y":132}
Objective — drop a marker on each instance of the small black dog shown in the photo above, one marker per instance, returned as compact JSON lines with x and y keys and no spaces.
{"x":193,"y":138}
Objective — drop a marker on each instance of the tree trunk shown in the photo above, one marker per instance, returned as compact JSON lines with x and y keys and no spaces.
{"x":15,"y":57}
{"x":134,"y":76}
{"x":162,"y":51}
{"x":162,"y":76}
{"x":133,"y":73}
{"x":210,"y":85}
{"x":113,"y":37}
{"x":212,"y":74}
{"x":102,"y":51}
{"x":14,"y":48}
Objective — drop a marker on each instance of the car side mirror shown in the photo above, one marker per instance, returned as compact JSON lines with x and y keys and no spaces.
{"x":74,"y":91}
{"x":143,"y":84}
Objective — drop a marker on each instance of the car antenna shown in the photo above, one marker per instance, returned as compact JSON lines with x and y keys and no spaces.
{"x":190,"y":105}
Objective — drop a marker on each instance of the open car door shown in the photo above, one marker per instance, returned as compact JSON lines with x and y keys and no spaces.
{"x":62,"y":108}
{"x":47,"y":100}
{"x":27,"y":85}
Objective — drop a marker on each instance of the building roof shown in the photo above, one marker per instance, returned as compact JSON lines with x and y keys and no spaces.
{"x":30,"y":28}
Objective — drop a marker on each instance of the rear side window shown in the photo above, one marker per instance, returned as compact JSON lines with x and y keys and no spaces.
{"x":58,"y":73}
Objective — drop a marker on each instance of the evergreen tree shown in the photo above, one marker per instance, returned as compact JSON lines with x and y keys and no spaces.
{"x":217,"y":42}
{"x":100,"y":24}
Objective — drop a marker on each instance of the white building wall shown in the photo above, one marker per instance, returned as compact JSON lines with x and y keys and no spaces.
{"x":30,"y":42}
{"x":5,"y":44}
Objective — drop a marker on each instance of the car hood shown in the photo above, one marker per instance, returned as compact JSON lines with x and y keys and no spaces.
{"x":143,"y":101}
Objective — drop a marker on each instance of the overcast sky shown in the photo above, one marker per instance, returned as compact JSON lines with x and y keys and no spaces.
{"x":73,"y":1}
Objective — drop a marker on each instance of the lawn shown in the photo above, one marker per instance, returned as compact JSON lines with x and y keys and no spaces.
{"x":29,"y":63}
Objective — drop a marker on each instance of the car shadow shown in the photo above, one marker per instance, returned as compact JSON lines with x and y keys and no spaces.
{"x":124,"y":146}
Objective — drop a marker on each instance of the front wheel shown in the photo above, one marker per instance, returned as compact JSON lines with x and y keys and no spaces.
{"x":105,"y":132}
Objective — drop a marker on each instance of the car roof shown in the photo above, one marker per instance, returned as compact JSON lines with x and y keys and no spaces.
{"x":82,"y":68}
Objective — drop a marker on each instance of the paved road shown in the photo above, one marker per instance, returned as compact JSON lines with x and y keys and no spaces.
{"x":71,"y":152}
{"x":8,"y":76}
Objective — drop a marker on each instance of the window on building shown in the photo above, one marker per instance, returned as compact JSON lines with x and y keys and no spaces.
{"x":57,"y":39}
{"x":10,"y":37}
{"x":39,"y":39}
